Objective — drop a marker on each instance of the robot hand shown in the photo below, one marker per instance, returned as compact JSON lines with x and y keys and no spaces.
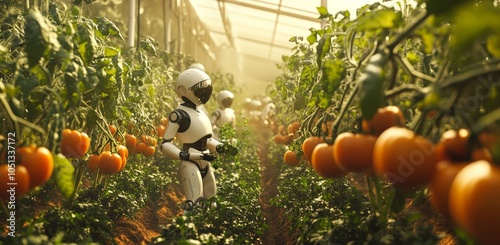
{"x":196,"y":156}
{"x":227,"y":149}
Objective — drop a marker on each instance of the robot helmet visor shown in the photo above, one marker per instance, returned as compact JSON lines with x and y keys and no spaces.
{"x":227,"y":102}
{"x":202,"y":90}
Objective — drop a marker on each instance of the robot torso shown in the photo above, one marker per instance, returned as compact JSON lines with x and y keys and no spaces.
{"x":223,"y":116}
{"x":194,"y":125}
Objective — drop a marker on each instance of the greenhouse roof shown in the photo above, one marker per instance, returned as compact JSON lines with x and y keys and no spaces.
{"x":263,"y":28}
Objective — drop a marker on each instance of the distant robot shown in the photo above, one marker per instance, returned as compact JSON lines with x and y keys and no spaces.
{"x":192,"y":128}
{"x":224,"y":114}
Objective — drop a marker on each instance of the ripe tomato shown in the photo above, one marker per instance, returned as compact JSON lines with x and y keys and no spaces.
{"x":149,"y":151}
{"x":40,"y":165}
{"x":487,"y":139}
{"x":403,"y":158}
{"x":140,"y":147}
{"x":293,"y":128}
{"x":109,"y":163}
{"x":123,"y":152}
{"x":112,"y":129}
{"x":354,"y":152}
{"x":440,"y":184}
{"x":22,"y":180}
{"x":291,"y":159}
{"x":93,"y":162}
{"x":323,"y":162}
{"x":74,"y":144}
{"x":454,"y":146}
{"x":474,"y":201}
{"x":383,"y":119}
{"x":130,"y":142}
{"x":164,"y":121}
{"x":481,"y":153}
{"x":309,"y":144}
{"x":160,"y":130}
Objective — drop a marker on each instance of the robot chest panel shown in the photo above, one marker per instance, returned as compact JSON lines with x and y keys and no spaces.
{"x":226,"y":116}
{"x":199,"y":126}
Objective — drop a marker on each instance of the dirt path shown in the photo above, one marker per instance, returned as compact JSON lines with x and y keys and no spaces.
{"x":277,"y":232}
{"x":146,"y":224}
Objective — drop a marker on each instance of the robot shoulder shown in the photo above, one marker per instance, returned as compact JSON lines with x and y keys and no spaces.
{"x":180,"y":117}
{"x":216,"y":114}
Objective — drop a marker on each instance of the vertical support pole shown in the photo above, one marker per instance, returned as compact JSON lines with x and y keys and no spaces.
{"x":131,"y":23}
{"x":324,"y":22}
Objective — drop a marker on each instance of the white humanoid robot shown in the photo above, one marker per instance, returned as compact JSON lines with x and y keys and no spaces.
{"x":224,"y":114}
{"x":268,"y":112}
{"x":192,"y":128}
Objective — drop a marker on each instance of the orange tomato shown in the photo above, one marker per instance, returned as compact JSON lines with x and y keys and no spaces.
{"x":40,"y":165}
{"x":160,"y":130}
{"x":440,"y":184}
{"x":324,"y":164}
{"x":140,"y":147}
{"x":21,"y":178}
{"x":93,"y":162}
{"x":354,"y":152}
{"x":164,"y":121}
{"x":109,"y":163}
{"x":130,"y":142}
{"x":309,"y":144}
{"x":123,"y":152}
{"x":481,"y":153}
{"x":291,"y":159}
{"x":293,"y":128}
{"x":383,"y":119}
{"x":487,"y":139}
{"x":74,"y":144}
{"x":112,"y":129}
{"x":403,"y":158}
{"x":474,"y":201}
{"x":454,"y":145}
{"x":149,"y":151}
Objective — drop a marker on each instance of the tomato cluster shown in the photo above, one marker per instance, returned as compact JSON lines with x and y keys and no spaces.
{"x":107,"y":162}
{"x":74,"y":144}
{"x":286,"y":135}
{"x":465,"y":183}
{"x":34,"y":166}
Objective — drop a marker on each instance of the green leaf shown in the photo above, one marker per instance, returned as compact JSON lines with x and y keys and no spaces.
{"x":312,"y":38}
{"x":323,"y":12}
{"x":380,"y":19}
{"x":334,"y":72}
{"x":322,"y":49}
{"x":36,"y":45}
{"x":40,"y":37}
{"x":107,"y":28}
{"x":371,"y":89}
{"x":111,"y":51}
{"x":479,"y":21}
{"x":64,"y":175}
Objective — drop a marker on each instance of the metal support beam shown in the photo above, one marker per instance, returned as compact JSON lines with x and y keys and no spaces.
{"x":281,"y":12}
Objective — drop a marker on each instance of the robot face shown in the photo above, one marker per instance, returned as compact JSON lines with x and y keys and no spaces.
{"x":202,"y":91}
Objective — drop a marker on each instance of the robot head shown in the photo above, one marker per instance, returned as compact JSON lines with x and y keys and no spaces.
{"x":225,"y":98}
{"x":194,"y":85}
{"x":198,"y":66}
